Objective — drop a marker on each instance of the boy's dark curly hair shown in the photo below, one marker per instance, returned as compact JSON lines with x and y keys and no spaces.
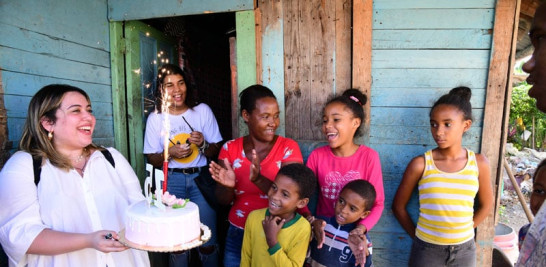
{"x":302,"y":176}
{"x":364,"y":189}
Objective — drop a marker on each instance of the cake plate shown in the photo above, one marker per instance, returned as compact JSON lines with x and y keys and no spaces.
{"x":205,"y":236}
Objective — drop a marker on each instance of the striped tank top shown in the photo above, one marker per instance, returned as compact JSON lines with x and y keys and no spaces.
{"x":446,"y":202}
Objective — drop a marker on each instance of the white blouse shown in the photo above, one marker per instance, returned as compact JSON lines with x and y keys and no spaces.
{"x":66,"y":202}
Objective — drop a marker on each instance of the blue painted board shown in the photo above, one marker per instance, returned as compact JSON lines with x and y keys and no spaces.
{"x":434,"y":78}
{"x":45,"y":65}
{"x":415,"y":135}
{"x":105,"y":142}
{"x":15,"y":128}
{"x":273,"y":63}
{"x":75,"y":21}
{"x":431,"y":39}
{"x":26,"y":85}
{"x":143,"y":9}
{"x":428,"y":59}
{"x":447,"y":4}
{"x":418,"y":97}
{"x":411,"y":116}
{"x":462,"y":18}
{"x":102,"y":128}
{"x":34,"y":42}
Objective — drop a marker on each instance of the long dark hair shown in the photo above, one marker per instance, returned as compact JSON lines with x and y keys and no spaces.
{"x":171,"y":69}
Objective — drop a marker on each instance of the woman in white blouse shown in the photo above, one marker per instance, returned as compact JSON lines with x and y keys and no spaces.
{"x":71,"y":217}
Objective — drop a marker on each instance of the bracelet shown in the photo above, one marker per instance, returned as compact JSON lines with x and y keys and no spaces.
{"x":204,"y":147}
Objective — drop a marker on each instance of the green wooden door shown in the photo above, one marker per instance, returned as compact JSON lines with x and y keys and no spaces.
{"x":146,"y":50}
{"x":135,"y":47}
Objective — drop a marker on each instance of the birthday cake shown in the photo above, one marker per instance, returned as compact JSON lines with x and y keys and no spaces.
{"x":173,"y":225}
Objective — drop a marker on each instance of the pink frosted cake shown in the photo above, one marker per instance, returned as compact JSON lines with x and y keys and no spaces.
{"x":148,"y":225}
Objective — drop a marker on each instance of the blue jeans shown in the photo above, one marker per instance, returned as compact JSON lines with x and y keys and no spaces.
{"x":428,"y":255}
{"x":182,"y":186}
{"x":234,"y":244}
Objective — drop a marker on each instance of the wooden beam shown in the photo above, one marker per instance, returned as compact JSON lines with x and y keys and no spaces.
{"x":497,"y":102}
{"x":528,"y":7}
{"x":246,"y":55}
{"x":117,"y":61}
{"x":258,"y":32}
{"x":343,"y":45}
{"x":362,"y":55}
{"x":234,"y":94}
{"x":270,"y":52}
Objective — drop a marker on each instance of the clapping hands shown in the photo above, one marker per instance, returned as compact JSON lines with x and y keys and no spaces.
{"x":223,"y":175}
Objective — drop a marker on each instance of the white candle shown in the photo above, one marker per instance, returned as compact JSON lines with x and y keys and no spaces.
{"x":158,"y":191}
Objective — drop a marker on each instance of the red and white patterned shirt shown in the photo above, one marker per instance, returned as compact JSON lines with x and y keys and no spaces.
{"x":249,"y":197}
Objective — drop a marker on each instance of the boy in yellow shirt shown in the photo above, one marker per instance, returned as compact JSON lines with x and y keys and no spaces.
{"x":277,"y":235}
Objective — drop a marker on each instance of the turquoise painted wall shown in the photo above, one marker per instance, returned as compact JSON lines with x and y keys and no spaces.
{"x":421,"y":49}
{"x":59,"y":41}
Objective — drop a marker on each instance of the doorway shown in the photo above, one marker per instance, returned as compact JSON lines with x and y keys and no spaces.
{"x":201,"y":44}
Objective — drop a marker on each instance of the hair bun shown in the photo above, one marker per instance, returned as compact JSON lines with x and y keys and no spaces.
{"x":353,"y":94}
{"x":462,"y":91}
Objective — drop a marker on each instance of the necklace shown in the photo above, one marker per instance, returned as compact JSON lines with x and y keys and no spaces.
{"x":82,"y":169}
{"x":80,"y":157}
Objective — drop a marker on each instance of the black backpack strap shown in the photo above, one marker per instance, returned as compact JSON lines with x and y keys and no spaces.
{"x":37,"y":165}
{"x":108,"y":156}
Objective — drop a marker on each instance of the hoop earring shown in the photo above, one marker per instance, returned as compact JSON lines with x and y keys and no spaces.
{"x":50,"y":135}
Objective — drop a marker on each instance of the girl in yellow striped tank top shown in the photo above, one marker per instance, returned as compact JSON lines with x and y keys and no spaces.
{"x":449,"y":178}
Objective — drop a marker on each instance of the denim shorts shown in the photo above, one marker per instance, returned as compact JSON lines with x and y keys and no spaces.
{"x":428,"y":255}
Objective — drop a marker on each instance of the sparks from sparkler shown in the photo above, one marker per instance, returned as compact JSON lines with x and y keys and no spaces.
{"x":165,"y":97}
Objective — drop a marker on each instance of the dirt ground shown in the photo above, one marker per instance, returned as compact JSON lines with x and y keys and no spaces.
{"x":511,"y":212}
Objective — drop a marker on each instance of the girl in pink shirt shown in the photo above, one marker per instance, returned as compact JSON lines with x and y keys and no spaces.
{"x":342,"y":161}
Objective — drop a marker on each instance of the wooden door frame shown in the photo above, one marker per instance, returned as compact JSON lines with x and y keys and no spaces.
{"x":246,"y":75}
{"x":499,"y":91}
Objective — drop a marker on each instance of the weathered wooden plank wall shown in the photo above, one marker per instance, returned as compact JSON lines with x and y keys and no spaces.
{"x":52,"y":42}
{"x":270,"y":50}
{"x":317,"y":61}
{"x":421,"y":49}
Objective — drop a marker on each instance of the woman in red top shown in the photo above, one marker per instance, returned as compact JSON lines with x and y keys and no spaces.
{"x":248,"y":165}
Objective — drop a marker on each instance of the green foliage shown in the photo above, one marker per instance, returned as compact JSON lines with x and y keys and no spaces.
{"x":518,"y":68}
{"x":502,"y":210}
{"x":524,"y":107}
